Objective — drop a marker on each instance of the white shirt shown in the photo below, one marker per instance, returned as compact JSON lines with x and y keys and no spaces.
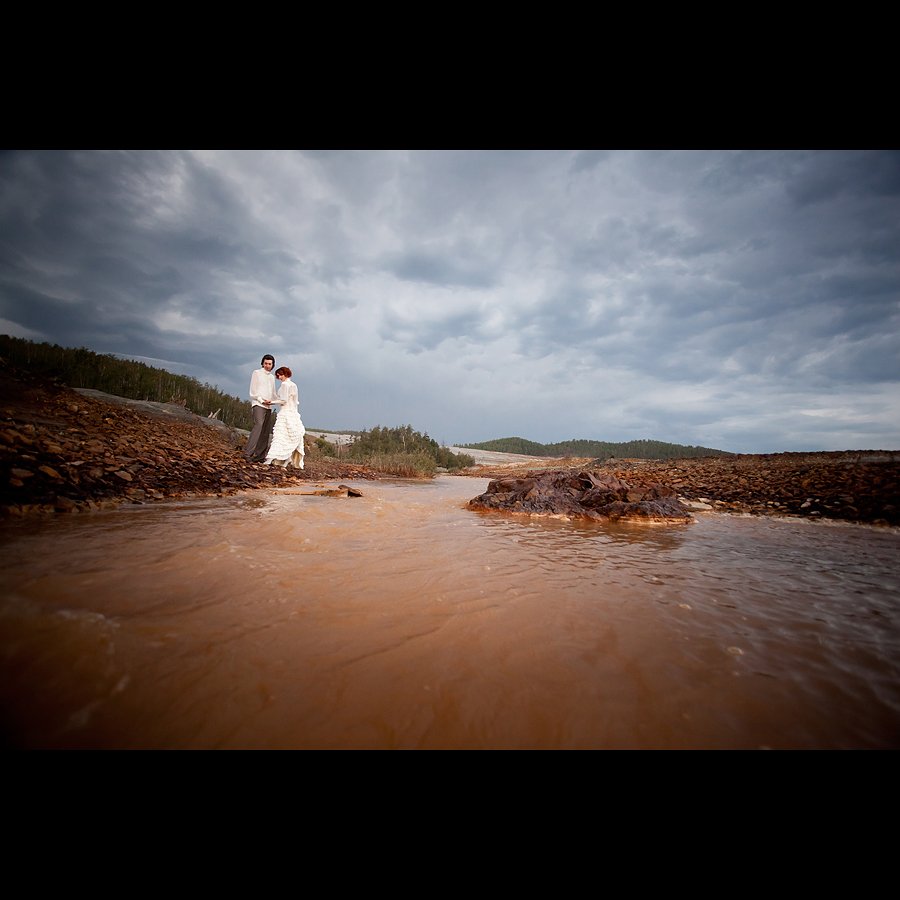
{"x":262,"y":387}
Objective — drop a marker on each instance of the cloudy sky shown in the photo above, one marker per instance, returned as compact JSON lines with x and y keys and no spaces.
{"x":747,"y":301}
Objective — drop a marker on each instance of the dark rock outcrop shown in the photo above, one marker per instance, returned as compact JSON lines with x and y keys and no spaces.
{"x":586,"y":495}
{"x":850,"y":485}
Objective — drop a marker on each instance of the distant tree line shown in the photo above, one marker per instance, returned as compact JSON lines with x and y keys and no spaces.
{"x":643,"y":449}
{"x":81,"y":368}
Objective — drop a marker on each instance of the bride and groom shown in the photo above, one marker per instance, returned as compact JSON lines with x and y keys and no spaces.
{"x":287,"y":436}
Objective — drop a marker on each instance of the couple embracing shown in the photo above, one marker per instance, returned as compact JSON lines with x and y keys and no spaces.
{"x":287,"y":437}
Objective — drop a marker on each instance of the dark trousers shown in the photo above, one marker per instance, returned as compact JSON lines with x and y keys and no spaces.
{"x":261,"y":435}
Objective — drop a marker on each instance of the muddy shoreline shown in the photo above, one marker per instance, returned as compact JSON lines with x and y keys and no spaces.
{"x":63,"y":450}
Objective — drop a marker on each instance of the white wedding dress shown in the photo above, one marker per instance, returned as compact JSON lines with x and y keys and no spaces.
{"x":287,"y":437}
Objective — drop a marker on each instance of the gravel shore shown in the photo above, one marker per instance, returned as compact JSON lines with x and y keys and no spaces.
{"x":854,"y":486}
{"x":63,"y":450}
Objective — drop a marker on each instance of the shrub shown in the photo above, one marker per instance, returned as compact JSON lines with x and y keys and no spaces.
{"x":324,"y":447}
{"x":405,"y":465}
{"x":404,"y":448}
{"x":450,"y":460}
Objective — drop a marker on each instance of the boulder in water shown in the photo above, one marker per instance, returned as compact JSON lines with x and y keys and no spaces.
{"x":586,"y":494}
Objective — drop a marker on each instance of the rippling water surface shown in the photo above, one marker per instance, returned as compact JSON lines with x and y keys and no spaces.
{"x":403,"y":620}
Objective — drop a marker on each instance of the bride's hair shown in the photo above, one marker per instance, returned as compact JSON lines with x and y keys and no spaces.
{"x":283,"y":370}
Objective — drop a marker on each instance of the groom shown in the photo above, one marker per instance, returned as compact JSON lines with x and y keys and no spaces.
{"x":262,"y":393}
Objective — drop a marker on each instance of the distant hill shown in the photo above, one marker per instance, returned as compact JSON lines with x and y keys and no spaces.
{"x":643,"y":449}
{"x":82,"y":368}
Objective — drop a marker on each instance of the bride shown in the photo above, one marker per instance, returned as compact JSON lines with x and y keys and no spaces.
{"x":287,"y":438}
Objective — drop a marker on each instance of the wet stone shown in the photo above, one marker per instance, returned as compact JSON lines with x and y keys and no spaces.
{"x":586,"y":495}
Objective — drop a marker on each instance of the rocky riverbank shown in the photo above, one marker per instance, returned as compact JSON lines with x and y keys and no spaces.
{"x":62,"y":450}
{"x":856,"y":486}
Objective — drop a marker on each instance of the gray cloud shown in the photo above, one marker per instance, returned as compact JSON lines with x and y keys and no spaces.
{"x":747,"y":300}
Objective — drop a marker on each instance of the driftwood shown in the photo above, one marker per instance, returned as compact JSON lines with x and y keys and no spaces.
{"x":342,"y":490}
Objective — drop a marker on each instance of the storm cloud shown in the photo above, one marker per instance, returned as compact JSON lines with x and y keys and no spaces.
{"x":744,"y":300}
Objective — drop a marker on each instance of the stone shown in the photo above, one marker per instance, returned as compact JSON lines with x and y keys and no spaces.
{"x":585,"y":494}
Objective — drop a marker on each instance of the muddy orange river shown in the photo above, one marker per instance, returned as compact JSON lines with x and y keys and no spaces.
{"x":403,"y":620}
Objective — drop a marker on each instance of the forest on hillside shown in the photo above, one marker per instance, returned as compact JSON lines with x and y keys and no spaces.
{"x":81,"y":368}
{"x":642,"y":449}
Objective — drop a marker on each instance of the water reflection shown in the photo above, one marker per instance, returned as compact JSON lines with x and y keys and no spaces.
{"x":580,"y":535}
